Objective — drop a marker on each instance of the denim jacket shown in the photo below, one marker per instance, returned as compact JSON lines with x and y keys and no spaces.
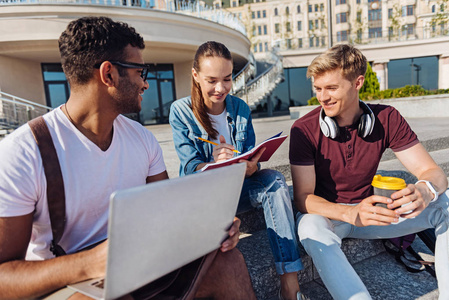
{"x":186,"y":128}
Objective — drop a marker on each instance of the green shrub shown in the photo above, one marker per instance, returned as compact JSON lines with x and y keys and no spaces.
{"x":406,"y":91}
{"x":313,"y":101}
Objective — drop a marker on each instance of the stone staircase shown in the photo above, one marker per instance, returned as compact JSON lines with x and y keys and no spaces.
{"x":383,"y":276}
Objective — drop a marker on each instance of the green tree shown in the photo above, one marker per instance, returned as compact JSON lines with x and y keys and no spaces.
{"x":371,"y":85}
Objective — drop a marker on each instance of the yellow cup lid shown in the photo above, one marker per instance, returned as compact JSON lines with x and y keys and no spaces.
{"x":388,"y":183}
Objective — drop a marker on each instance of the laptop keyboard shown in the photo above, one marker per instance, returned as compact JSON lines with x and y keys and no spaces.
{"x":99,"y":284}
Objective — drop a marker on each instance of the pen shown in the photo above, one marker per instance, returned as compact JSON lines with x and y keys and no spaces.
{"x":215,"y":144}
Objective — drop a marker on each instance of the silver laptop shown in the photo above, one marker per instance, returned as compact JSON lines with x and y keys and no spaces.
{"x":156,"y":228}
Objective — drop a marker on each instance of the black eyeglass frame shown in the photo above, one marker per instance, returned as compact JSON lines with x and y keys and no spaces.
{"x":130,"y":65}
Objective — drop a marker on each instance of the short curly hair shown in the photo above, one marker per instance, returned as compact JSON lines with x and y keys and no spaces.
{"x":346,"y":57}
{"x":91,"y":40}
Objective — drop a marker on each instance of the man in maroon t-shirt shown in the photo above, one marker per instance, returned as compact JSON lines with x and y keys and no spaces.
{"x":335,"y":152}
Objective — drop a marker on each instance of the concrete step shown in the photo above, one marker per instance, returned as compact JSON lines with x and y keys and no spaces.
{"x":384,"y":277}
{"x":259,"y":259}
{"x":441,"y":157}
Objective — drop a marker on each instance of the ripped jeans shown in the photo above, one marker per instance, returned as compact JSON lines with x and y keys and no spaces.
{"x":268,"y":189}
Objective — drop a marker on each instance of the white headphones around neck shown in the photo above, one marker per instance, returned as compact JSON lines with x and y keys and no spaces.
{"x":366,"y":123}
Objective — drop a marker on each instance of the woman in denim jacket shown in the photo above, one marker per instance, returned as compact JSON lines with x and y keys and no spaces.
{"x":212,"y":114}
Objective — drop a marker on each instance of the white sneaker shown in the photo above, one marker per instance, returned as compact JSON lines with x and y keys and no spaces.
{"x":299,"y":296}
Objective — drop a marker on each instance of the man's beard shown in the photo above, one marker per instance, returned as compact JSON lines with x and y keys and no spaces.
{"x":127,"y":98}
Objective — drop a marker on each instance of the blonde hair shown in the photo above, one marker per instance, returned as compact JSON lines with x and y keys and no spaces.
{"x":347,"y":58}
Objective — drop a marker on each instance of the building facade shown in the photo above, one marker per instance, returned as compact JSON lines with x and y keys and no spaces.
{"x":29,"y":54}
{"x":405,"y":41}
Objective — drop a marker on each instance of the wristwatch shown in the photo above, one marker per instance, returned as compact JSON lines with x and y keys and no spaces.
{"x":431,"y":188}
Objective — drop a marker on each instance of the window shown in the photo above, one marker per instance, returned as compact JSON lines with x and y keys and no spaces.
{"x":359,"y":34}
{"x":298,"y":9}
{"x":358,"y":1}
{"x":321,"y":7}
{"x":276,"y":28}
{"x":300,"y":43}
{"x":289,"y":43}
{"x":287,"y":10}
{"x":310,"y":25}
{"x":288,"y":27}
{"x":299,"y":25}
{"x":260,"y":47}
{"x":253,"y":15}
{"x":342,"y":36}
{"x":265,"y":29}
{"x":259,"y":30}
{"x":311,"y":42}
{"x":374,"y":14}
{"x":234,"y":4}
{"x":359,"y":16}
{"x":310,"y":7}
{"x":255,"y":48}
{"x":254,"y":30}
{"x":338,"y":2}
{"x":316,"y":24}
{"x":55,"y":85}
{"x":341,"y":18}
{"x":316,"y":7}
{"x":264,"y":13}
{"x":266,"y":46}
{"x":433,"y":8}
{"x":407,"y":10}
{"x":408,"y":29}
{"x":390,"y":31}
{"x":276,"y":11}
{"x":390,"y":13}
{"x":258,"y":14}
{"x":323,"y":41}
{"x":375,"y":32}
{"x":317,"y":41}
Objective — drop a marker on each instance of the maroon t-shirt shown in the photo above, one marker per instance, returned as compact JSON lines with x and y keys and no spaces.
{"x":345,"y":166}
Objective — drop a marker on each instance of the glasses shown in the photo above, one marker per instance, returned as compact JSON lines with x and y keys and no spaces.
{"x":130,"y":65}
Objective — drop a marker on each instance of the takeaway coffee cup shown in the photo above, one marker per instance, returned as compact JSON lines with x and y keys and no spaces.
{"x":385,"y":186}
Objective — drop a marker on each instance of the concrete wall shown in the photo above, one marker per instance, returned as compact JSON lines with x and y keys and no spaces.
{"x":436,"y":106}
{"x":182,"y":79}
{"x":22,"y":78}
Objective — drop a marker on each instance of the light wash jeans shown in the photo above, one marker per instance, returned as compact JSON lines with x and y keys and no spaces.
{"x":268,"y":188}
{"x":322,"y":237}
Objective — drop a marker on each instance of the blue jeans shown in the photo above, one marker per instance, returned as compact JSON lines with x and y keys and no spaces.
{"x":322,"y":237}
{"x":268,"y":188}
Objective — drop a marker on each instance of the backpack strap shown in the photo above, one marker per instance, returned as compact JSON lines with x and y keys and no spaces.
{"x":55,"y":183}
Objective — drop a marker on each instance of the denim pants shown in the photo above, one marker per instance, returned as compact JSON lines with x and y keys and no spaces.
{"x":322,"y":237}
{"x":268,"y":188}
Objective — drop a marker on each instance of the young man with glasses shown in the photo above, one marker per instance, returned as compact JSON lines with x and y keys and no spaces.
{"x":99,"y":151}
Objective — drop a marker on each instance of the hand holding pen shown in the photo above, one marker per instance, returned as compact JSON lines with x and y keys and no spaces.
{"x":222,"y":151}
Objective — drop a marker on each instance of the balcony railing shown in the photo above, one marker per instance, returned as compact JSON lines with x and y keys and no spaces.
{"x":15,"y":111}
{"x":193,"y":9}
{"x":256,"y":90}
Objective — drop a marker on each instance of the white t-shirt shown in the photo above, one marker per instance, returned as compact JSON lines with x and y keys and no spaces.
{"x":220,"y":124}
{"x":90,"y":176}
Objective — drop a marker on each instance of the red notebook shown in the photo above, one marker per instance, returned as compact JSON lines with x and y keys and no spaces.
{"x":271,"y":145}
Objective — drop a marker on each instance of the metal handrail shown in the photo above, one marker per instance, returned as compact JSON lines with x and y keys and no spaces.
{"x":16,"y":111}
{"x":247,"y":73}
{"x":257,"y":89}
